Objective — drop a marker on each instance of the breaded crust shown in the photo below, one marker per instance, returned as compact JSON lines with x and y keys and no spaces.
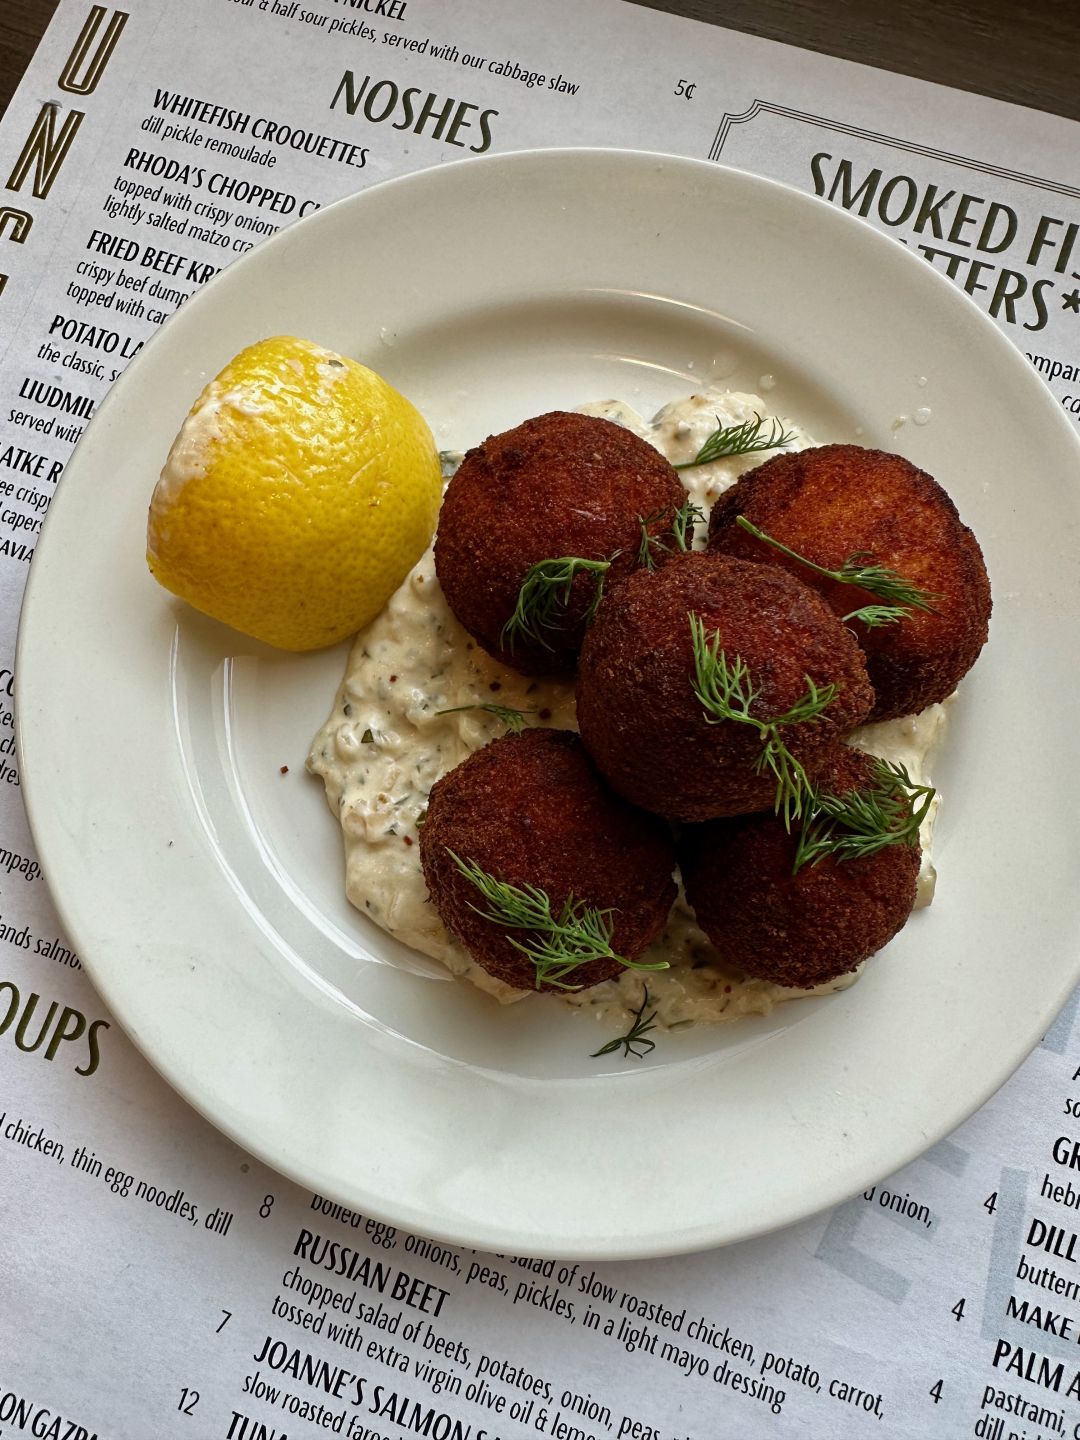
{"x":796,"y":930}
{"x":640,"y":719}
{"x":531,"y":809}
{"x":560,"y":484}
{"x":833,"y":501}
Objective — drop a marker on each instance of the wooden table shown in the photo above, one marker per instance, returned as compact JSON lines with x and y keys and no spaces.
{"x":1027,"y":52}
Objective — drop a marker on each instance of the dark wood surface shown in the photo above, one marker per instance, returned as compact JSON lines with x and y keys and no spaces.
{"x":22,"y":24}
{"x":1027,"y":51}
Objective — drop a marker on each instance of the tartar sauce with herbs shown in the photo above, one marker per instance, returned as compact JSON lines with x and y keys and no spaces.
{"x":389,"y":738}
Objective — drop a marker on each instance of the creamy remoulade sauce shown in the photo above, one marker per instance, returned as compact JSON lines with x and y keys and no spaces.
{"x":386,"y":742}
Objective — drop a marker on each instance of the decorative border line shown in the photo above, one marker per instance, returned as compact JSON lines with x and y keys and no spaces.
{"x":729,"y":120}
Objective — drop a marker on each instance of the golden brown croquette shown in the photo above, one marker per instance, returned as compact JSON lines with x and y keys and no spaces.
{"x":839,"y":500}
{"x":560,"y":484}
{"x":640,"y":718}
{"x":796,"y":929}
{"x":531,"y":810}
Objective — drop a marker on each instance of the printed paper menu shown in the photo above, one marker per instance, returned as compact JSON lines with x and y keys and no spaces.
{"x":158,"y":1282}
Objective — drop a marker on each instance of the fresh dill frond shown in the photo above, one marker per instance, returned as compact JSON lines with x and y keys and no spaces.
{"x":645,"y":558}
{"x":809,"y":706}
{"x":862,"y":822}
{"x":544,"y":596}
{"x":746,"y":438}
{"x":726,"y":692}
{"x":901,"y":596}
{"x":887,"y":584}
{"x":682,"y":521}
{"x":635,"y":1036}
{"x":514,"y":720}
{"x":685,"y":518}
{"x":559,"y":943}
{"x":873,"y":616}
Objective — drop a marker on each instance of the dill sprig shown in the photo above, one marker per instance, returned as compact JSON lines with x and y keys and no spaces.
{"x":544,"y":596}
{"x":861,"y":569}
{"x":862,"y":822}
{"x":726,"y":692}
{"x":683,"y":521}
{"x":561,"y":943}
{"x":635,"y":1036}
{"x":747,"y":438}
{"x":514,"y":720}
{"x":645,"y":558}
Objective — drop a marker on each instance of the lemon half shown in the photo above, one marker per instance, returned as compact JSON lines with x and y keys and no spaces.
{"x":300,"y":491}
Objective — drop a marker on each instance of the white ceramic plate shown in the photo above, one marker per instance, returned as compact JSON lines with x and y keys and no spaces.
{"x":203,"y":888}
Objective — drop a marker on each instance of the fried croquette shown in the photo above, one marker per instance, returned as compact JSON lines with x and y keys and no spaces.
{"x":641,"y":720}
{"x":530,"y":810}
{"x":802,"y":929}
{"x":841,"y":500}
{"x":558,"y":485}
